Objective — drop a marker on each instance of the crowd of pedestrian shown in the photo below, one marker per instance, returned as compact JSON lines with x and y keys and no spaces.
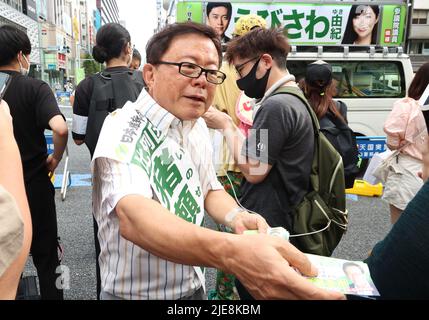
{"x":157,"y":168}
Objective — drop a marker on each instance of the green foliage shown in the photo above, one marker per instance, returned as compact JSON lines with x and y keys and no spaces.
{"x":91,"y":66}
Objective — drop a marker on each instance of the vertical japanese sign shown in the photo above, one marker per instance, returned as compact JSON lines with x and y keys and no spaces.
{"x":316,"y":23}
{"x":393,"y":25}
{"x":190,"y":11}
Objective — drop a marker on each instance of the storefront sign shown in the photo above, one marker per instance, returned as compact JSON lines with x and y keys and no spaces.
{"x":62,"y":64}
{"x":31,"y":9}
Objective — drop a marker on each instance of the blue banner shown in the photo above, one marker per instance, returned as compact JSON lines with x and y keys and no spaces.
{"x":49,"y":143}
{"x":368,"y":146}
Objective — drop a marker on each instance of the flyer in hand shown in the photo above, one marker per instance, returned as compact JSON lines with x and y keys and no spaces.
{"x":347,"y":277}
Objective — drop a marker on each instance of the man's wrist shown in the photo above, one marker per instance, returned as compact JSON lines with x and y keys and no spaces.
{"x":231,"y":215}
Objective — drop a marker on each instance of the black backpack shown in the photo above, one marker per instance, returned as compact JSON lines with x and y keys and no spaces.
{"x":111,"y":90}
{"x":344,"y":141}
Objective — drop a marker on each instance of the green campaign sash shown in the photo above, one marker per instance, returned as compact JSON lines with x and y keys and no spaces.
{"x":129,"y":137}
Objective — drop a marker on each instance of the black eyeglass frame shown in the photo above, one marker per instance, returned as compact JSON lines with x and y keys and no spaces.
{"x":240,"y":66}
{"x":206,"y":71}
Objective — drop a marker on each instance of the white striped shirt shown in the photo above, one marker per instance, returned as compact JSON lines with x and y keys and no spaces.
{"x":127,"y":271}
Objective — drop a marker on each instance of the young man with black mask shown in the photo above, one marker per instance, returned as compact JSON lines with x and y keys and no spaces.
{"x":276,"y":158}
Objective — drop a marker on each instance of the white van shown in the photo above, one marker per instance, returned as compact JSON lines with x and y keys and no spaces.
{"x":392,"y":81}
{"x":368,"y":83}
{"x":370,"y":80}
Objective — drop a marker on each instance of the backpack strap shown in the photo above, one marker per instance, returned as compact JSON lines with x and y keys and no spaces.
{"x":300,"y":95}
{"x":338,"y":123}
{"x":277,"y":182}
{"x":122,"y":93}
{"x":99,"y":81}
{"x":117,"y":88}
{"x":111,"y":90}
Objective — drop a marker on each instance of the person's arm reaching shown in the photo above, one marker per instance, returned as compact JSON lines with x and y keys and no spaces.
{"x":224,"y":210}
{"x":124,"y":191}
{"x":60,"y":136}
{"x":253,"y":170}
{"x":12,"y":180}
{"x":263,"y":263}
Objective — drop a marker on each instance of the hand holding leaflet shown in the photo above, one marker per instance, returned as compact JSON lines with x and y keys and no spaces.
{"x":347,"y":277}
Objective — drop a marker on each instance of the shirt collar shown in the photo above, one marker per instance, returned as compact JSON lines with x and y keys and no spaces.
{"x":278,"y":84}
{"x":270,"y":91}
{"x":156,"y":114}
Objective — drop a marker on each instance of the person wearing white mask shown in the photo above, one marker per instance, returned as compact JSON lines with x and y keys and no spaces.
{"x":34,"y":108}
{"x":24,"y":71}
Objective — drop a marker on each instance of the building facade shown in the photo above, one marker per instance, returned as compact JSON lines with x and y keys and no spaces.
{"x":109,"y":11}
{"x":12,"y":12}
{"x":15,"y":4}
{"x":86,"y":38}
{"x":58,"y":37}
{"x":60,"y":31}
{"x":418,"y":36}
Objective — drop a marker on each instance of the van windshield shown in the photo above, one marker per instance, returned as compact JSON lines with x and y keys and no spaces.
{"x":357,"y":79}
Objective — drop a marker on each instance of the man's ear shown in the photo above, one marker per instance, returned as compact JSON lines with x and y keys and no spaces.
{"x":149,"y":75}
{"x":267,"y":60}
{"x":19,"y":56}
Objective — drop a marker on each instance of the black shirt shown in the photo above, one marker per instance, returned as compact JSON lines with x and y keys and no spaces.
{"x":289,"y":148}
{"x":32,"y":105}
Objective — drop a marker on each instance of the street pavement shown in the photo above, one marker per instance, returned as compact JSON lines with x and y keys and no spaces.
{"x":368,"y":224}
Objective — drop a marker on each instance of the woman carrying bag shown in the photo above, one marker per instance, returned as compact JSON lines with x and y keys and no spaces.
{"x":320,"y":87}
{"x":405,"y":129}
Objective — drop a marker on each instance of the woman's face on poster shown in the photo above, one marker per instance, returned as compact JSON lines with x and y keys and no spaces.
{"x":363,"y":23}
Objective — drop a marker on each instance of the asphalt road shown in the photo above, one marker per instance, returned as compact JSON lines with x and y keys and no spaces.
{"x":368,"y":223}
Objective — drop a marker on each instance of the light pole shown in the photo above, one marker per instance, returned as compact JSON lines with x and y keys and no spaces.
{"x":42,"y":53}
{"x":77,"y":67}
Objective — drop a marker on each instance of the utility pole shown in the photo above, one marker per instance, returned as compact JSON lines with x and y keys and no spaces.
{"x":77,"y":66}
{"x":42,"y":55}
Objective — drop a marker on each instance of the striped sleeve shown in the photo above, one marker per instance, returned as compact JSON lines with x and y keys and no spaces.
{"x":119,"y":180}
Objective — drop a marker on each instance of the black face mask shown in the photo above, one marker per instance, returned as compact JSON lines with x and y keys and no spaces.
{"x":252,"y":87}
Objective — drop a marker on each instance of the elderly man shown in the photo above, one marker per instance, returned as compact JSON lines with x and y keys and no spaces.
{"x":153,"y":179}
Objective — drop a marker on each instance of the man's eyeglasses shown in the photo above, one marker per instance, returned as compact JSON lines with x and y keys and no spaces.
{"x":192,"y":70}
{"x":240,"y":66}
